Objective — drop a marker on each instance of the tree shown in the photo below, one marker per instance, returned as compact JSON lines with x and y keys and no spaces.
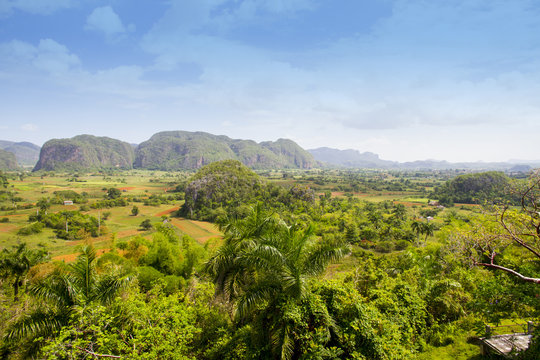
{"x":417,"y":227}
{"x":504,"y":230}
{"x":135,"y":210}
{"x":113,"y":193}
{"x":15,"y":264}
{"x":3,"y":180}
{"x":264,"y":269}
{"x":43,"y":204}
{"x":146,"y":224}
{"x":64,"y":293}
{"x":420,"y":227}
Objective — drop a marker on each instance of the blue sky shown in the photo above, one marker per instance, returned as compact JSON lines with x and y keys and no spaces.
{"x":407,"y":79}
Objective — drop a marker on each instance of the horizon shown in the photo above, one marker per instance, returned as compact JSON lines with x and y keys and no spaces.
{"x":406,"y":80}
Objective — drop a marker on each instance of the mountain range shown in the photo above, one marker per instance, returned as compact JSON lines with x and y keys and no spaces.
{"x":355,"y":159}
{"x":26,"y":153}
{"x":183,"y":150}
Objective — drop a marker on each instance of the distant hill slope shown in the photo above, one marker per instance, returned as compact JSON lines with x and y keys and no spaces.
{"x":8,"y":160}
{"x":350,"y":158}
{"x":26,"y":153}
{"x":176,"y":150}
{"x":355,"y":159}
{"x":85,"y":152}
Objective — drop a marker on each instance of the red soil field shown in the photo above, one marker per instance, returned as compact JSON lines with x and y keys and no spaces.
{"x":168,"y":211}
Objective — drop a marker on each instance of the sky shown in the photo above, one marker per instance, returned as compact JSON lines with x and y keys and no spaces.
{"x":455,"y":80}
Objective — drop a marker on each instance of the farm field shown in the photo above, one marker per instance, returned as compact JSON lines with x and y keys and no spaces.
{"x":139,"y":186}
{"x":117,"y":223}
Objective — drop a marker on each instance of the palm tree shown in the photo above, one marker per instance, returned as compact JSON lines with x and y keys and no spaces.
{"x":66,"y":291}
{"x":429,"y":229}
{"x":16,"y":263}
{"x":417,"y":227}
{"x":265,"y":267}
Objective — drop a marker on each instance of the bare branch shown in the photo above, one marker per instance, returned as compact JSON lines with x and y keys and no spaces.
{"x":514,"y":237}
{"x":513,"y":272}
{"x":99,"y":355}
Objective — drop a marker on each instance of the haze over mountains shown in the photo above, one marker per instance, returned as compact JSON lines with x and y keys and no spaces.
{"x":26,"y":153}
{"x":355,"y":159}
{"x":183,"y":150}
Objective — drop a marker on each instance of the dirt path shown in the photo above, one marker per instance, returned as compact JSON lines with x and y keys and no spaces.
{"x":168,"y":211}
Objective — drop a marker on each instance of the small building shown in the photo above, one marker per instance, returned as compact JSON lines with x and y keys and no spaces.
{"x":68,"y":202}
{"x":506,"y":345}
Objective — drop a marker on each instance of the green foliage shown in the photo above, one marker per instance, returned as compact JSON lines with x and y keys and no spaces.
{"x":164,"y":254}
{"x":225,"y":184}
{"x":64,"y":294}
{"x":62,"y":195}
{"x":146,"y":224}
{"x":69,"y":225}
{"x":144,"y":326}
{"x":176,"y":150}
{"x":85,"y":152}
{"x":113,"y":193}
{"x":8,"y":160}
{"x":34,"y":228}
{"x":264,"y":269}
{"x":362,"y":331}
{"x":15,"y":264}
{"x":3,"y":180}
{"x":477,"y":188}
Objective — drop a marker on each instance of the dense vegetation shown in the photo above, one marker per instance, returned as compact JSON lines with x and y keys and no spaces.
{"x":85,"y":152}
{"x":176,"y":150}
{"x":309,"y":265}
{"x":476,"y":188}
{"x":7,"y":160}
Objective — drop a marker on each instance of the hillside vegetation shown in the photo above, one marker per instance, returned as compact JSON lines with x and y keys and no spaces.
{"x":85,"y":152}
{"x":7,"y":160}
{"x":181,"y":150}
{"x":475,"y":188}
{"x":26,"y":153}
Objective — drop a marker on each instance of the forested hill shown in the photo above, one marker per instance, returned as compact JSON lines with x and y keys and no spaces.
{"x":7,"y":160}
{"x":176,"y":150}
{"x":85,"y":152}
{"x":26,"y":153}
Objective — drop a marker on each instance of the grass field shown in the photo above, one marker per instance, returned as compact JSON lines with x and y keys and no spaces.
{"x":121,"y":224}
{"x":140,"y":185}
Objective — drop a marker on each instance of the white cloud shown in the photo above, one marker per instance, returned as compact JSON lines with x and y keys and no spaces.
{"x":106,"y":21}
{"x":54,"y":58}
{"x":48,"y":56}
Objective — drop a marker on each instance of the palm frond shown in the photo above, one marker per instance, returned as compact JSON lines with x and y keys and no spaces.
{"x":56,"y":289}
{"x":256,"y":295}
{"x":282,"y":344}
{"x":37,"y":323}
{"x":83,"y":271}
{"x":263,"y":258}
{"x":323,"y":254}
{"x":108,"y":287}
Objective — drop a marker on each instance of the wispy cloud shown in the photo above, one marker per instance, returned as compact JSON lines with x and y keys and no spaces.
{"x":107,"y":22}
{"x":42,"y":7}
